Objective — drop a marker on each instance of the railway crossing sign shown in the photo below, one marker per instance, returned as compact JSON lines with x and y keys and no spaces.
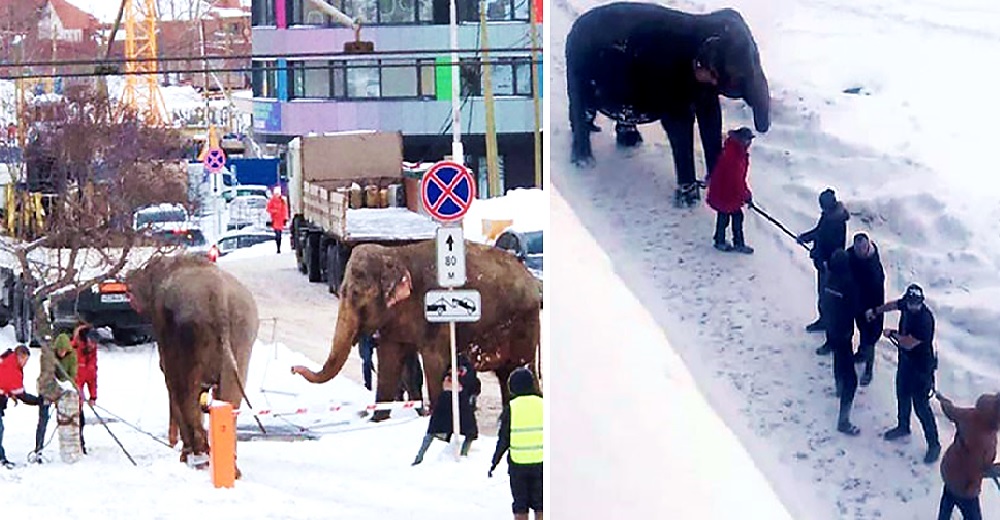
{"x":450,"y":257}
{"x":447,"y":190}
{"x":453,"y":306}
{"x":214,"y":160}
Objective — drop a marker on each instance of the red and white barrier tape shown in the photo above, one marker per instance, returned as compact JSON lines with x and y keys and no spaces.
{"x":390,"y":405}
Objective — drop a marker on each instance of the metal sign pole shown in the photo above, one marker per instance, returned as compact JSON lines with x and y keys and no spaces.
{"x":456,"y":424}
{"x":457,"y":153}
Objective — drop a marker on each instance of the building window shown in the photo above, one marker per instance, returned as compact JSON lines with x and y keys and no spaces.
{"x":264,"y":78}
{"x":338,"y":78}
{"x":304,"y":12}
{"x":399,"y":79}
{"x":504,"y":10}
{"x":510,"y":76}
{"x":263,"y":13}
{"x":363,"y":80}
{"x":367,"y":10}
{"x":310,"y":79}
{"x":428,"y":78}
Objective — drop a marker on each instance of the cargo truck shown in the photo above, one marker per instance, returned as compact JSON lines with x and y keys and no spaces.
{"x":346,"y":189}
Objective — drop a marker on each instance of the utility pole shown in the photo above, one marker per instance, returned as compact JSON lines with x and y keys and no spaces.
{"x":536,"y":88}
{"x":457,"y":152}
{"x":491,"y":128}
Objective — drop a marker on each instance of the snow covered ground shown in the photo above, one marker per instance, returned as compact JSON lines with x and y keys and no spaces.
{"x":906,"y":157}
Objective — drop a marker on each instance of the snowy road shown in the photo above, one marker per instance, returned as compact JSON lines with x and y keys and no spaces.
{"x":737,"y":322}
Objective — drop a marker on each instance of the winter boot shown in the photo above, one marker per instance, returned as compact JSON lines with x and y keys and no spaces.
{"x":466,"y":445}
{"x":743,"y":248}
{"x":933,"y":452}
{"x":723,"y":246}
{"x":816,"y":326}
{"x":428,"y":439}
{"x":866,"y":376}
{"x":824,"y":349}
{"x":687,"y":195}
{"x":896,"y":433}
{"x":7,"y":464}
{"x":627,"y":135}
{"x":844,"y":420}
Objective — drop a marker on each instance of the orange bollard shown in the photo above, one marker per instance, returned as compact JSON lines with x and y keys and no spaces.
{"x":222,"y":444}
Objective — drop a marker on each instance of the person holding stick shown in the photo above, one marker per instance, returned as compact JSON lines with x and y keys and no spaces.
{"x":971,"y":456}
{"x":728,"y":190}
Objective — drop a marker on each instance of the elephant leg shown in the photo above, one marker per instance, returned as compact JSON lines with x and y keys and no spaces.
{"x":581,"y":117}
{"x":627,"y":135}
{"x":709,"y":115}
{"x":680,"y":133}
{"x":390,"y":368}
{"x":172,"y":430}
{"x":188,"y":412}
{"x":435,"y":362}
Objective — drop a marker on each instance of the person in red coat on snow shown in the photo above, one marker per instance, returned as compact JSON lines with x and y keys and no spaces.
{"x":728,"y":190}
{"x":84,"y":341}
{"x":12,"y":387}
{"x":278,"y":210}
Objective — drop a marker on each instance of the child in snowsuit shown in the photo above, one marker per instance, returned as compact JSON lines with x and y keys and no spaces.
{"x":521,"y":433}
{"x":971,"y":456}
{"x":12,"y":387}
{"x":85,"y":343}
{"x":728,"y":190}
{"x":440,"y":425}
{"x":58,"y":364}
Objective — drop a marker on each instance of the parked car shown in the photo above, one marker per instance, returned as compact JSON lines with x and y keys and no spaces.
{"x":240,"y":190}
{"x":248,"y":211}
{"x":239,"y":239}
{"x":103,"y":305}
{"x":157,"y":217}
{"x":526,"y":245}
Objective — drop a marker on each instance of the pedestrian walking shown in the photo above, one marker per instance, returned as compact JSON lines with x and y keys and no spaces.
{"x":440,"y":425}
{"x":277,"y":208}
{"x":915,"y":370}
{"x":866,"y":268}
{"x":12,"y":363}
{"x":971,"y":456}
{"x":829,"y":235}
{"x":56,"y":364}
{"x":521,"y":434}
{"x":840,"y":306}
{"x":728,"y":191}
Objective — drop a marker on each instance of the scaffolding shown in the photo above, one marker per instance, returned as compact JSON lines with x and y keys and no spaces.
{"x":142,"y":88}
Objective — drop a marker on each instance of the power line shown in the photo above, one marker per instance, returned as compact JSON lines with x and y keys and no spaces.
{"x":267,"y":69}
{"x":260,"y":57}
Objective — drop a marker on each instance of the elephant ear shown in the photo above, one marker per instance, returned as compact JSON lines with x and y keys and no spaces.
{"x":396,"y":284}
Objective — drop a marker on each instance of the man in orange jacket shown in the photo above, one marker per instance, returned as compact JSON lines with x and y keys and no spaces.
{"x":278,"y":210}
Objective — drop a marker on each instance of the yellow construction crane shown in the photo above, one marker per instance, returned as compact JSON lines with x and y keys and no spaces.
{"x":142,"y":88}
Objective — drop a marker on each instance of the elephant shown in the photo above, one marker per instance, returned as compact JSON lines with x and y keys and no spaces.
{"x":383,"y":289}
{"x":637,"y":63}
{"x":205,"y":324}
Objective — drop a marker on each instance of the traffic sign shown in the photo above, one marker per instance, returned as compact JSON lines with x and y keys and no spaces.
{"x":447,"y":190}
{"x":450,"y":257}
{"x":214,"y":160}
{"x":453,"y":306}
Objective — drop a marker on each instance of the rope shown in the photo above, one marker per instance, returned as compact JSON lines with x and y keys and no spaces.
{"x":99,"y":418}
{"x":134,"y":427}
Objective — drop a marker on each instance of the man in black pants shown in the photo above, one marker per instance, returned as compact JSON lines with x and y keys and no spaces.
{"x":829,"y":235}
{"x":917,"y":362}
{"x":840,"y":305}
{"x":866,"y":268}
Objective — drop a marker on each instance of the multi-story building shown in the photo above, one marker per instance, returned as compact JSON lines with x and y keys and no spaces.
{"x":311,"y":86}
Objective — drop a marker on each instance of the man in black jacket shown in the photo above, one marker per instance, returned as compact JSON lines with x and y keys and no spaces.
{"x":829,"y":235}
{"x":917,"y":363}
{"x":840,"y":305}
{"x":866,"y":267}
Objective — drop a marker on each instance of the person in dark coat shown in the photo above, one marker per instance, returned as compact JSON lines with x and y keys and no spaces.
{"x":521,"y":433}
{"x":866,"y":267}
{"x":840,"y":306}
{"x":971,"y":456}
{"x":829,"y":235}
{"x":440,"y":424}
{"x":917,"y":363}
{"x":366,"y":347}
{"x":728,"y":190}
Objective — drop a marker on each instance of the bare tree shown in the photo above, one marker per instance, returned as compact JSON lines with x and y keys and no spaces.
{"x":91,"y":173}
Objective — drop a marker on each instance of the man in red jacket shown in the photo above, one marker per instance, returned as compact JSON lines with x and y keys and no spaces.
{"x":728,"y":190}
{"x":278,"y":210}
{"x":85,"y":342}
{"x":12,"y":387}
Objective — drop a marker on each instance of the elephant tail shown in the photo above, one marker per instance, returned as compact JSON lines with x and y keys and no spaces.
{"x":225,"y":340}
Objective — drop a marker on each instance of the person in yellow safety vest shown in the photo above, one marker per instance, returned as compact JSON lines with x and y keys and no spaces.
{"x":521,"y":434}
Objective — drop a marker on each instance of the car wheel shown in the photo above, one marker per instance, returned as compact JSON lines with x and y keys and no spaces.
{"x":312,"y":258}
{"x":333,"y":275}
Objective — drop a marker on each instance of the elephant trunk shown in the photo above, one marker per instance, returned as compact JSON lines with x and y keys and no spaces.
{"x":759,"y":99}
{"x":343,"y":339}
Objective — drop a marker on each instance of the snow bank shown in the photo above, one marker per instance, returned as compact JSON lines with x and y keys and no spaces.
{"x":528,"y":208}
{"x":355,"y":470}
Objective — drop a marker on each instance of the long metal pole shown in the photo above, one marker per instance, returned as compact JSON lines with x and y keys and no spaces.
{"x":535,"y":97}
{"x":457,"y":153}
{"x":492,"y":173}
{"x":456,"y":425}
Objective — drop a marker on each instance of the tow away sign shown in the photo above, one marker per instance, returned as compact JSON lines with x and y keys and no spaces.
{"x":464,"y":305}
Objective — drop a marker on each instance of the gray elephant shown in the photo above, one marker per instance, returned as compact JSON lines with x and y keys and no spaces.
{"x":383,"y":290}
{"x":638,"y":63}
